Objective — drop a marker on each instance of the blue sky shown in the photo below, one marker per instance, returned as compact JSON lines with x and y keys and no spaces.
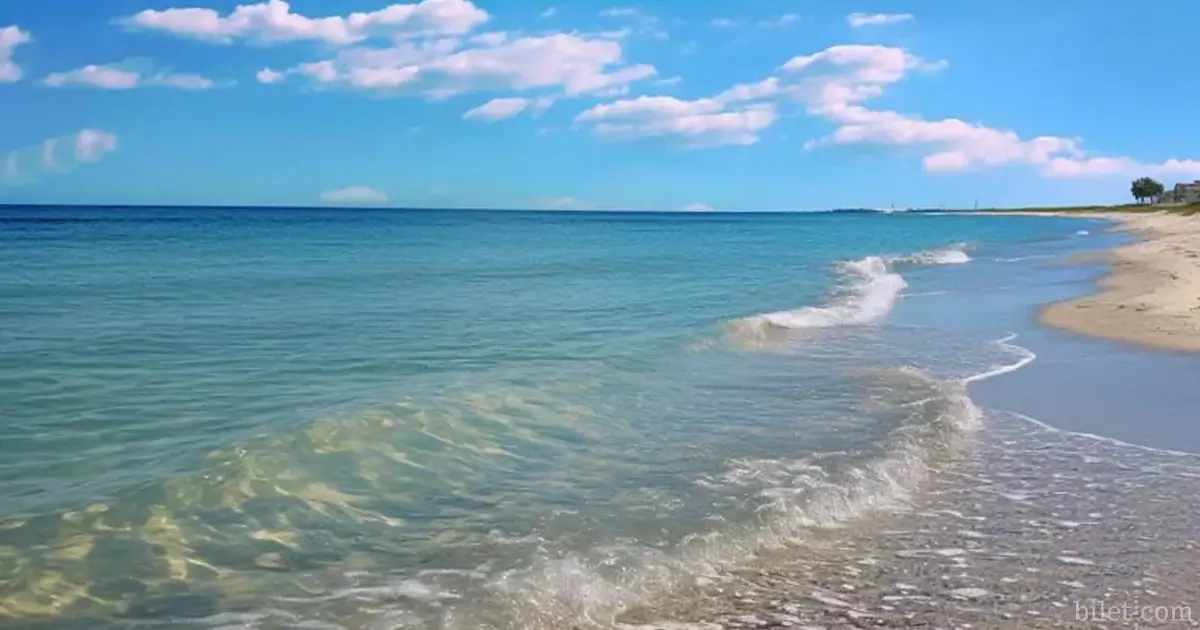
{"x":756,"y":105}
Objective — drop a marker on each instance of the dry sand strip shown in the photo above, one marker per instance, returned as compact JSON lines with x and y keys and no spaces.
{"x":1151,"y":296}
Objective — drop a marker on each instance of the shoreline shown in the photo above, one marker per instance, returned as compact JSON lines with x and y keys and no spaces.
{"x":1151,"y":294}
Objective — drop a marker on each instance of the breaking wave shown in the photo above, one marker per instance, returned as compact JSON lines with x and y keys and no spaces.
{"x":953,"y":255}
{"x":869,"y":292}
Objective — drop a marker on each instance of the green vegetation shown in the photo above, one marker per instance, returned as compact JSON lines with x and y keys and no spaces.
{"x":1145,"y":189}
{"x":1149,"y":193}
{"x":1187,"y":210}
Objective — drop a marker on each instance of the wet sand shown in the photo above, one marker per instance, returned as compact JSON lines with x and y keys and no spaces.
{"x":1151,"y":296}
{"x":1037,"y":528}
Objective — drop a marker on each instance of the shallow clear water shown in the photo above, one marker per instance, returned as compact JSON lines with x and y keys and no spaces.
{"x":424,"y":419}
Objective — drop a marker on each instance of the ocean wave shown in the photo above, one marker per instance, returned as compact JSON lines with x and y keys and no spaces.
{"x":869,"y":292}
{"x":952,"y":255}
{"x":796,"y":498}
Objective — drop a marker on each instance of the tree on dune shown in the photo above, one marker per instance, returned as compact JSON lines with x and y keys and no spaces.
{"x":1145,"y":188}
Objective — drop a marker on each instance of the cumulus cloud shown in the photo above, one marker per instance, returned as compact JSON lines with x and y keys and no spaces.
{"x":736,"y":116}
{"x":835,"y":83}
{"x":570,"y":64}
{"x":274,"y":22}
{"x":502,"y":108}
{"x":10,"y":38}
{"x":859,"y":20}
{"x":696,"y":207}
{"x":427,"y":48}
{"x":127,"y":76}
{"x":355,"y":195}
{"x":700,"y":123}
{"x":57,"y":155}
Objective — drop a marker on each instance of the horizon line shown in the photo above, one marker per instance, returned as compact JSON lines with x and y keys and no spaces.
{"x":7,"y":206}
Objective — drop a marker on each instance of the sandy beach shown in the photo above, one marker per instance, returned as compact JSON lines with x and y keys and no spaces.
{"x":1151,"y":296}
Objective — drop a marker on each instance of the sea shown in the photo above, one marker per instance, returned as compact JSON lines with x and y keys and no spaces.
{"x":442,"y":419}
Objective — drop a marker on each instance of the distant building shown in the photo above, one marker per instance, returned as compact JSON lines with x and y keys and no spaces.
{"x":1184,"y":193}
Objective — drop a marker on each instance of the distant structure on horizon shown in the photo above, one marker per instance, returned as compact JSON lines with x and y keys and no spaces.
{"x":1183,"y":193}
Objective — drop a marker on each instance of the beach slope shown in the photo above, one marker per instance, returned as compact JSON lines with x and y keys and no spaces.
{"x":1151,"y":296}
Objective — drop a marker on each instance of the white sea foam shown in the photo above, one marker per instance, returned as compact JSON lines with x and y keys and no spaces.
{"x":953,"y":255}
{"x":868,"y":296}
{"x":591,"y":588}
{"x":1024,"y":258}
{"x":1100,"y":438}
{"x":869,"y":293}
{"x":1025,"y":357}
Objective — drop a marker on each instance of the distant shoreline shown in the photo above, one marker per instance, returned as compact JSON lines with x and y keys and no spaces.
{"x":1151,"y":296}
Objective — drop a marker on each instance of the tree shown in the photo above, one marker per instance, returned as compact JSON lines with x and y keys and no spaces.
{"x":1156,"y":190}
{"x":1145,"y":188}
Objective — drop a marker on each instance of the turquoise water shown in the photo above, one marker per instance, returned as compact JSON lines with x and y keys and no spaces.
{"x":420,"y":419}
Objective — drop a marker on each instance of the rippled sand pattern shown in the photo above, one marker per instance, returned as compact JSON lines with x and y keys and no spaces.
{"x":1040,"y":529}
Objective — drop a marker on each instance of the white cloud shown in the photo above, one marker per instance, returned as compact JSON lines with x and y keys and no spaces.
{"x":57,"y":155}
{"x":1119,"y":166}
{"x":268,"y":76}
{"x":626,"y":12}
{"x":575,"y":64}
{"x":10,"y":38}
{"x":708,"y":122}
{"x":696,"y":207}
{"x":859,"y":20}
{"x":494,"y":38}
{"x":92,"y":144}
{"x":643,"y":23}
{"x":126,"y":76}
{"x":274,"y":22}
{"x":855,"y":74}
{"x":549,"y":12}
{"x":783,"y":20}
{"x":569,"y":63}
{"x":355,"y":195}
{"x":743,"y":92}
{"x":836,"y":84}
{"x":502,"y":108}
